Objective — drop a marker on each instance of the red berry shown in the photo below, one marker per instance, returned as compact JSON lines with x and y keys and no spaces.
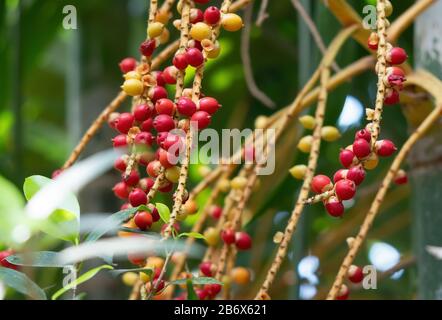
{"x":196,"y":15}
{"x":167,"y":159}
{"x":361,"y":148}
{"x":156,"y":93}
{"x":132,"y":179}
{"x":119,"y":141}
{"x":121,"y":190}
{"x":212,"y":15}
{"x":339,"y":175}
{"x":124,"y":122}
{"x":112,"y":120}
{"x":212,"y":289}
{"x":166,"y":187}
{"x":153,"y":168}
{"x":334,"y":207}
{"x":160,"y":138}
{"x":5,"y":263}
{"x":216,"y":212}
{"x":154,"y":212}
{"x":243,"y":241}
{"x":391,"y":96}
{"x":201,"y":293}
{"x":363,"y":134}
{"x":356,"y":174}
{"x":346,"y":157}
{"x":163,"y":123}
{"x":128,"y":64}
{"x":186,"y":107}
{"x":345,"y":189}
{"x":401,"y":177}
{"x":146,"y":184}
{"x":201,"y":1}
{"x":321,"y":183}
{"x":159,"y":78}
{"x":206,"y":268}
{"x":174,"y":142}
{"x":144,"y":138}
{"x":355,"y":274}
{"x":373,"y":41}
{"x":147,"y":125}
{"x":180,"y":61}
{"x":209,"y":104}
{"x":142,"y":112}
{"x":200,"y":119}
{"x":165,"y":106}
{"x":228,"y":236}
{"x":194,"y":57}
{"x":170,"y":74}
{"x":385,"y":148}
{"x":343,"y":293}
{"x":395,"y":77}
{"x":143,"y":220}
{"x":195,"y":44}
{"x":147,"y":47}
{"x":396,"y":56}
{"x":137,"y":197}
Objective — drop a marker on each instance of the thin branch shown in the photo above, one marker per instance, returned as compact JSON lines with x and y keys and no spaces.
{"x":262,"y":14}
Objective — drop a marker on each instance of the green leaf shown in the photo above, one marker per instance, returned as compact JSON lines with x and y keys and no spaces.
{"x":83,"y":278}
{"x":164,"y":211}
{"x":110,"y":223}
{"x":36,"y":259}
{"x":195,"y":235}
{"x":147,"y":271}
{"x":199,"y":280}
{"x":11,"y":209}
{"x":132,"y":230}
{"x":191,"y":294}
{"x":20,"y":282}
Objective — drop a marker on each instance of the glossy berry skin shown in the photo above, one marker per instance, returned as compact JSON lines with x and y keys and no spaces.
{"x":143,"y":220}
{"x":395,"y":77}
{"x":137,"y":197}
{"x":170,"y":74}
{"x":391,"y":96}
{"x":147,"y":47}
{"x":243,"y":241}
{"x":201,"y":1}
{"x":124,"y":122}
{"x":146,"y":184}
{"x":119,"y":141}
{"x":186,"y":107}
{"x":345,"y":189}
{"x":385,"y":148}
{"x":212,"y":289}
{"x":373,"y":41}
{"x":212,"y":15}
{"x":153,"y":168}
{"x":180,"y":61}
{"x":216,"y":212}
{"x":196,"y":15}
{"x":346,"y":157}
{"x":147,"y":125}
{"x":120,"y":164}
{"x":206,"y":268}
{"x":5,"y":263}
{"x":173,"y":142}
{"x":396,"y":56}
{"x":144,"y":139}
{"x":321,"y":183}
{"x":355,"y":274}
{"x":363,"y":134}
{"x":127,"y":64}
{"x":361,"y":148}
{"x":231,"y":22}
{"x":209,"y":105}
{"x":339,"y":175}
{"x":156,"y":93}
{"x":142,"y":112}
{"x":121,"y":190}
{"x":165,"y":106}
{"x":132,"y":179}
{"x":334,"y":207}
{"x":343,"y":293}
{"x":356,"y":174}
{"x":159,"y":78}
{"x":201,"y":118}
{"x":194,"y":57}
{"x":166,"y":159}
{"x":154,"y":212}
{"x":163,"y":123}
{"x":401,"y":177}
{"x":228,"y":236}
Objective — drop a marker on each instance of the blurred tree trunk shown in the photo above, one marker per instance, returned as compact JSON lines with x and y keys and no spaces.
{"x":426,"y":163}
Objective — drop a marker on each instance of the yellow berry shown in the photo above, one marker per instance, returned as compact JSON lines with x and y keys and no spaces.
{"x":129,"y":278}
{"x":130,"y":224}
{"x":132,"y":75}
{"x":191,"y":207}
{"x":162,"y":16}
{"x":238,"y":183}
{"x":181,"y":215}
{"x":305,"y":144}
{"x":308,"y":122}
{"x":261,"y":122}
{"x":298,"y":171}
{"x":164,"y":37}
{"x":144,"y":277}
{"x":388,"y":8}
{"x":330,"y":133}
{"x":231,"y":22}
{"x":212,"y":236}
{"x":371,"y":162}
{"x":214,"y":53}
{"x":173,"y":174}
{"x":133,"y":87}
{"x":240,"y":275}
{"x":154,"y":262}
{"x":200,"y":31}
{"x":224,"y":185}
{"x":155,"y":29}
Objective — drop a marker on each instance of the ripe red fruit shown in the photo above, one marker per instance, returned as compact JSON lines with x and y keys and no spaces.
{"x":201,"y":293}
{"x":170,"y":74}
{"x":127,"y":64}
{"x":200,"y":119}
{"x":124,"y":122}
{"x":173,"y":142}
{"x":120,"y":164}
{"x":167,"y":160}
{"x":361,"y":148}
{"x":228,"y":236}
{"x":154,"y":212}
{"x":156,"y":93}
{"x":209,"y":104}
{"x":201,"y":1}
{"x":343,"y":293}
{"x":196,"y":15}
{"x":401,"y":177}
{"x":163,"y":123}
{"x":346,"y":157}
{"x":339,"y":175}
{"x":212,"y":15}
{"x":334,"y":207}
{"x":363,"y":134}
{"x":385,"y":148}
{"x":137,"y":197}
{"x":243,"y":241}
{"x":146,"y":184}
{"x":180,"y":61}
{"x":373,"y":41}
{"x":147,"y":125}
{"x":355,"y":274}
{"x":194,"y":57}
{"x":396,"y":56}
{"x":121,"y":190}
{"x":142,"y":112}
{"x":212,"y":289}
{"x":144,"y":138}
{"x":119,"y":141}
{"x":159,"y":78}
{"x":132,"y":179}
{"x":395,"y":77}
{"x":186,"y":107}
{"x":166,"y":187}
{"x":165,"y":106}
{"x":321,"y":183}
{"x":5,"y":263}
{"x":391,"y":96}
{"x":206,"y":268}
{"x":356,"y":174}
{"x":345,"y":189}
{"x":112,"y":120}
{"x":153,"y":168}
{"x":216,"y":212}
{"x":143,"y":220}
{"x":147,"y":47}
